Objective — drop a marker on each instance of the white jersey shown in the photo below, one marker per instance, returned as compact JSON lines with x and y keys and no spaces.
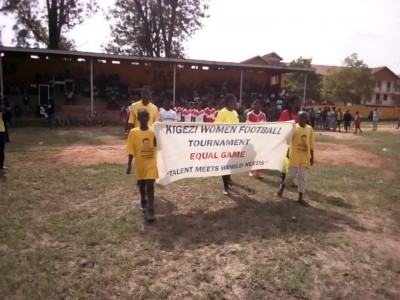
{"x":167,"y":116}
{"x":178,"y":113}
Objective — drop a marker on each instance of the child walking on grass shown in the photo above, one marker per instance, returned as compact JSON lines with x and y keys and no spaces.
{"x":357,"y":122}
{"x":301,"y":156}
{"x":228,"y":115}
{"x":141,"y":144}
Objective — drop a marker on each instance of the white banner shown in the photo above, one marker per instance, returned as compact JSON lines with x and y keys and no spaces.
{"x":213,"y":149}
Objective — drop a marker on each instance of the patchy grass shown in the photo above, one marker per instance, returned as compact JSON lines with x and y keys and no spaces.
{"x":75,"y":231}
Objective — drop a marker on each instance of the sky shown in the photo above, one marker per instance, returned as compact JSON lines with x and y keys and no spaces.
{"x":327,"y":31}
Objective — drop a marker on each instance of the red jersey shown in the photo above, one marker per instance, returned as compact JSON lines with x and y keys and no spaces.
{"x":187,"y":115}
{"x":209,"y":114}
{"x":357,"y":120}
{"x":286,"y":116}
{"x":256,"y":118}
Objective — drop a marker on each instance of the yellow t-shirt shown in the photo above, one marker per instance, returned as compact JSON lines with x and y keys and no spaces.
{"x":302,"y":143}
{"x":141,"y":145}
{"x":2,"y":127}
{"x":227,"y":116}
{"x":153,"y":111}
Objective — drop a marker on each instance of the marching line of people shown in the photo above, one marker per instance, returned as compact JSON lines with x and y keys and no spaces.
{"x":141,"y":142}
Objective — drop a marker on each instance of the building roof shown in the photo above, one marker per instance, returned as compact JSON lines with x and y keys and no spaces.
{"x":278,"y":69}
{"x":324,"y":69}
{"x":378,"y":69}
{"x":271,"y":58}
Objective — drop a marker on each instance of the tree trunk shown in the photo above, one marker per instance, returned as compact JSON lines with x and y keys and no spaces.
{"x":54,"y":36}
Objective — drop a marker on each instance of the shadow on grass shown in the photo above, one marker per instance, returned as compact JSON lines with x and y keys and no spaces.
{"x":332,"y":200}
{"x":247,"y":220}
{"x":313,"y":195}
{"x":3,"y":176}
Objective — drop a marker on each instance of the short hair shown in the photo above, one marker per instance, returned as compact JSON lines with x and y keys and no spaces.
{"x":292,"y":98}
{"x":145,"y":89}
{"x":302,"y":112}
{"x":228,"y":98}
{"x":288,"y":101}
{"x":258,"y":101}
{"x":142,"y":111}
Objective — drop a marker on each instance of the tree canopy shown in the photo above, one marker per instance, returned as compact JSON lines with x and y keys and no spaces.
{"x":39,"y":25}
{"x":352,"y":83}
{"x":154,"y":28}
{"x":294,"y":82}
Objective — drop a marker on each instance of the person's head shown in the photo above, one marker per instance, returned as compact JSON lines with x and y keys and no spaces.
{"x":303,"y":118}
{"x":293,"y":103}
{"x":230,"y":102}
{"x":167,"y":104}
{"x":146,"y":94}
{"x":143,"y":117}
{"x":357,"y":112}
{"x":257,"y":105}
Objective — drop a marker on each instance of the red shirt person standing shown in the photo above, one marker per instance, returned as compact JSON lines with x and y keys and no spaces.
{"x":256,"y":116}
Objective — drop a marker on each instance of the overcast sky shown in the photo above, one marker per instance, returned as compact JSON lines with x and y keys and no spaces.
{"x":325,"y":30}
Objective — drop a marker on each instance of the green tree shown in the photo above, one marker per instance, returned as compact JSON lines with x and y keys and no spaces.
{"x":294,"y":82}
{"x":154,"y":28}
{"x":352,"y":83}
{"x":38,"y":24}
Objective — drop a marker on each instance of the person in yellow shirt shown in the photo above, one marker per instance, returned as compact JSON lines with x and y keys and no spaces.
{"x":228,"y":115}
{"x":301,"y":156}
{"x":141,"y":144}
{"x":144,"y":103}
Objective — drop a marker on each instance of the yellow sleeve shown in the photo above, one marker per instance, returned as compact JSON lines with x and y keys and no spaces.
{"x":130,"y":144}
{"x":155,"y":119}
{"x":312,"y":139}
{"x":132,"y":115}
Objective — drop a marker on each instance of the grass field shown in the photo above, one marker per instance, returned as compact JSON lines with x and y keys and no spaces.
{"x":70,"y":225}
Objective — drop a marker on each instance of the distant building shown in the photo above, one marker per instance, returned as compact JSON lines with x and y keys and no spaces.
{"x":387,"y":85}
{"x":274,"y":60}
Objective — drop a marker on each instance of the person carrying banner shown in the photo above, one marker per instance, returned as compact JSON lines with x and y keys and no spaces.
{"x":146,"y":104}
{"x":291,"y":109}
{"x":301,"y":156}
{"x":141,"y":144}
{"x":228,"y":115}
